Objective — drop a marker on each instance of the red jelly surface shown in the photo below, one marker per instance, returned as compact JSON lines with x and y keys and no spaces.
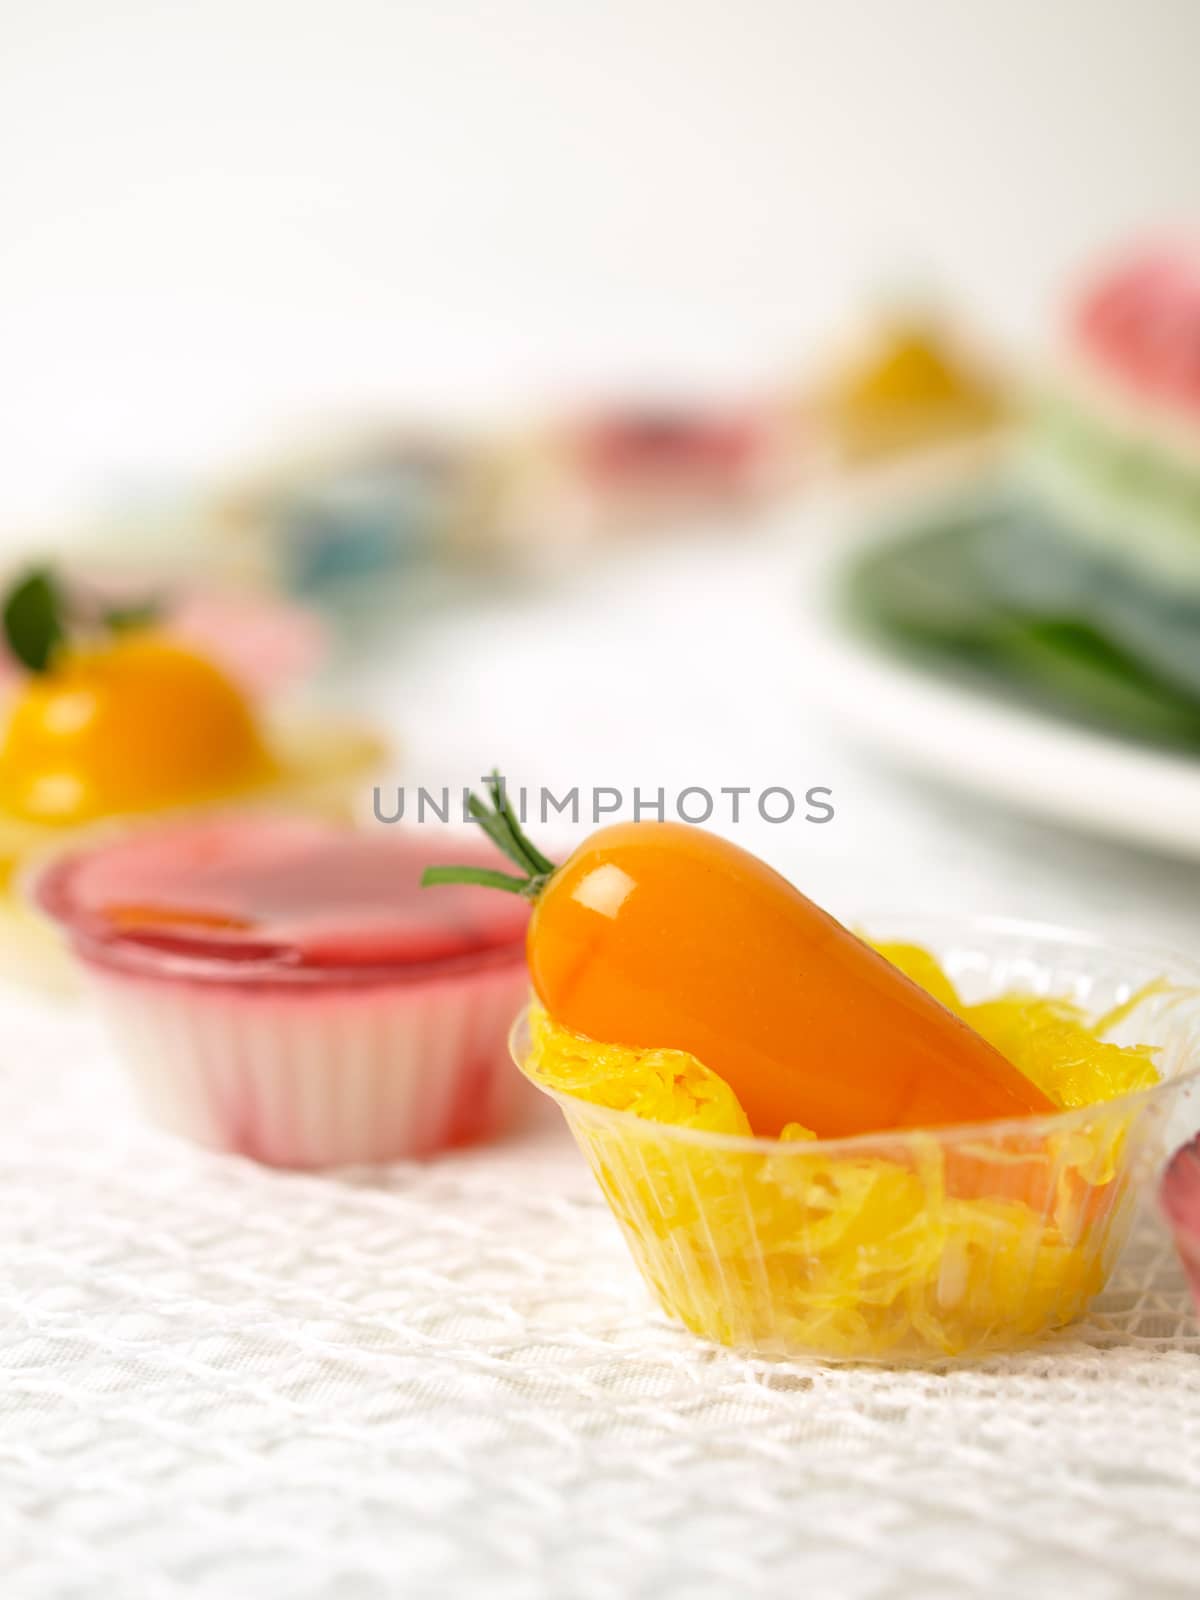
{"x":279,"y":898}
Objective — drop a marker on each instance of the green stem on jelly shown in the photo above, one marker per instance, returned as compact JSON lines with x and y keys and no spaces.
{"x":39,"y":616}
{"x":499,"y":822}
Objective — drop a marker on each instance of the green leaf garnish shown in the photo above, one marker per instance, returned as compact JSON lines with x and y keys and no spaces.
{"x":486,"y":877}
{"x":40,"y":615}
{"x":33,"y":619}
{"x":498,"y":793}
{"x":500,"y":823}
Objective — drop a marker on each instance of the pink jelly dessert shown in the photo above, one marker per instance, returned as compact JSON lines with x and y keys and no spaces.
{"x":719,"y":451}
{"x":642,"y":464}
{"x":285,"y":989}
{"x":1181,"y":1203}
{"x":1139,"y":327}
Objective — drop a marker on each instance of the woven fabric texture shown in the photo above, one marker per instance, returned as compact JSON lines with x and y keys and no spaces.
{"x":221,"y":1382}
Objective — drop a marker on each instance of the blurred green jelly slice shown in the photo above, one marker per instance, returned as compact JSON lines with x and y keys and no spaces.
{"x":990,"y":591}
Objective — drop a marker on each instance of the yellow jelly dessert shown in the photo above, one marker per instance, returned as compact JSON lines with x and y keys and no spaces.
{"x":130,"y":726}
{"x":119,"y":722}
{"x":912,"y":389}
{"x":904,"y":1245}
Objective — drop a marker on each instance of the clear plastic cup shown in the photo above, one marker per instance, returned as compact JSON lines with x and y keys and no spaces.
{"x":919,"y":1245}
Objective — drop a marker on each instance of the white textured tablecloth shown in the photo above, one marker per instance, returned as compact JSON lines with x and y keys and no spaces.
{"x":221,"y":1382}
{"x":447,"y":1380}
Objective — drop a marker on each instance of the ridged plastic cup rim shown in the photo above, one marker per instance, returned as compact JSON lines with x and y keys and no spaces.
{"x":1046,"y":1126}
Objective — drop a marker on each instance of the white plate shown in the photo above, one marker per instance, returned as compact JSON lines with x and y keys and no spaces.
{"x":1039,"y":763}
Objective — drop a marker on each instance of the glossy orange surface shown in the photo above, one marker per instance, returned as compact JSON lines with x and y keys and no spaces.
{"x":134,"y":724}
{"x":659,"y":935}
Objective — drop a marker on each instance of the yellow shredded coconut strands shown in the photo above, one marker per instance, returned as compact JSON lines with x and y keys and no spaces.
{"x":910,"y":1246}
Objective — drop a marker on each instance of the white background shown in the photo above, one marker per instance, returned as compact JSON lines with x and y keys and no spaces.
{"x":220,"y":218}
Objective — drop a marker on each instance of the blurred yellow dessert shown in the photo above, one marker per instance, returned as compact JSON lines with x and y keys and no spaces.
{"x":125,"y":726}
{"x":912,"y":387}
{"x":116,"y":722}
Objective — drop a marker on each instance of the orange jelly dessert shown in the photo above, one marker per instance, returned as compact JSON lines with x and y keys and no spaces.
{"x":130,"y":725}
{"x":812,"y":1144}
{"x":116,"y":721}
{"x":662,"y":935}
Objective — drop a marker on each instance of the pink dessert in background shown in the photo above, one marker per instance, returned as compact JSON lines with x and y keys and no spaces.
{"x":719,"y":451}
{"x":1139,"y":328}
{"x":1181,"y":1203}
{"x":266,"y":645}
{"x":641,"y":464}
{"x":285,"y":989}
